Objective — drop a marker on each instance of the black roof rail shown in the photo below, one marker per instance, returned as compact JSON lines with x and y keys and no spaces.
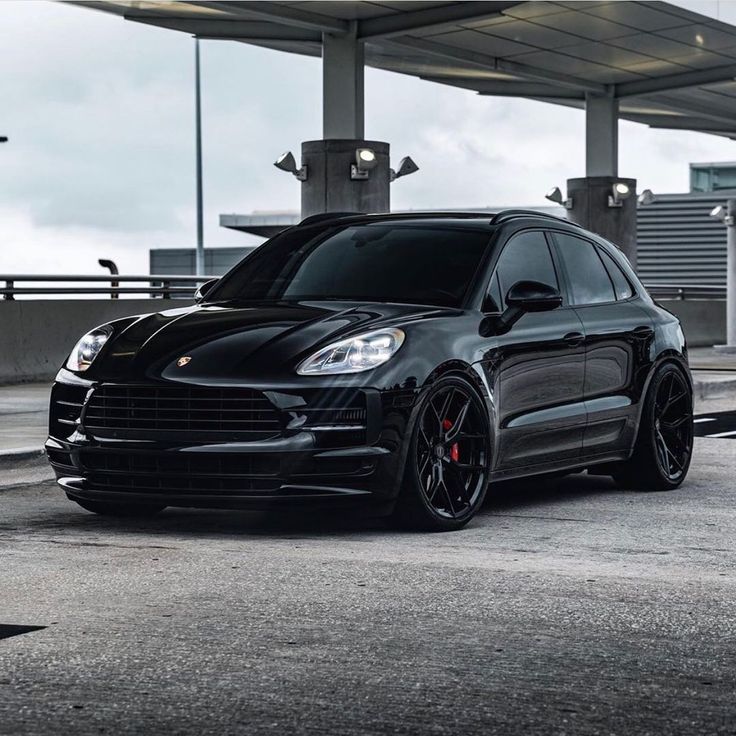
{"x":324,"y":216}
{"x":504,"y":215}
{"x":393,"y":216}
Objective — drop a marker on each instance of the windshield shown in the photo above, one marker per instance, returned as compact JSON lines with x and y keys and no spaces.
{"x":383,"y":262}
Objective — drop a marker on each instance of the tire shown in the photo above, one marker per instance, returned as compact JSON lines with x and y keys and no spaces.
{"x":447,"y":464}
{"x":664,"y":443}
{"x":122,"y":510}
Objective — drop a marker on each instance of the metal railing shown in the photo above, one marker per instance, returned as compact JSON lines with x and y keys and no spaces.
{"x":164,"y":286}
{"x":673,"y":291}
{"x":168,"y":286}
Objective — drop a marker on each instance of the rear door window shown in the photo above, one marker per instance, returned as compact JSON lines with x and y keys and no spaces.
{"x":587,"y":278}
{"x":621,"y":284}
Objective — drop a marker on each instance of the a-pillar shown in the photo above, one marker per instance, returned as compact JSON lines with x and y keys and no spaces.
{"x":592,"y":203}
{"x":329,"y":185}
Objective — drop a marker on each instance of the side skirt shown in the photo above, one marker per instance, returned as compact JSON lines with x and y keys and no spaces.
{"x":571,"y":464}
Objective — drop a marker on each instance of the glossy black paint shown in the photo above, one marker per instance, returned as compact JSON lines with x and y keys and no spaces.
{"x":563,"y":389}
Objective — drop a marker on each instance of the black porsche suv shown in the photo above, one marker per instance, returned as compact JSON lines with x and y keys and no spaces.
{"x":404,"y":362}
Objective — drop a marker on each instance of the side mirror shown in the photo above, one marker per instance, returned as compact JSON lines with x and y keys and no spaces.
{"x":204,"y":289}
{"x":533,"y":296}
{"x":522,"y":297}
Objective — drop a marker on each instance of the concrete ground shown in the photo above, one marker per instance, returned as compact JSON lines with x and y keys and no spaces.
{"x":567,"y":607}
{"x":24,"y":415}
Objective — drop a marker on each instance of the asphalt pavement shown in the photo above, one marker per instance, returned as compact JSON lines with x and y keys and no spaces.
{"x":568,"y":607}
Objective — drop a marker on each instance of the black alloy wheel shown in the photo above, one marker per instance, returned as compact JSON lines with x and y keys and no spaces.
{"x":664,"y":446}
{"x":673,"y":425}
{"x":447,"y":466}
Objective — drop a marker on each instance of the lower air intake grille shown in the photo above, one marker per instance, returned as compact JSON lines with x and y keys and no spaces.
{"x":181,"y":473}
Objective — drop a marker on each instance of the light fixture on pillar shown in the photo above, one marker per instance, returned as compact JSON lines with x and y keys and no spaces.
{"x":555,"y":195}
{"x":721,"y":213}
{"x":365,"y":160}
{"x":646,"y":197}
{"x":619,"y":192}
{"x":406,"y":167}
{"x":286,"y":162}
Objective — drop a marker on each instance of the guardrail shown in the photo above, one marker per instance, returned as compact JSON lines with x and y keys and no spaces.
{"x":159,"y":285}
{"x":673,"y":291}
{"x":165,"y":286}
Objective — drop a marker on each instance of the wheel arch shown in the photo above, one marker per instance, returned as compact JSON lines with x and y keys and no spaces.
{"x":448,"y":369}
{"x":667,"y":357}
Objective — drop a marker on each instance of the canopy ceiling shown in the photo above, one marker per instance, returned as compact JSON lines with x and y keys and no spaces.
{"x":669,"y":67}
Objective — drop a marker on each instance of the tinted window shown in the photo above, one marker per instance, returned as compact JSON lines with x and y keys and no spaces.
{"x":588,"y":278}
{"x":526,"y":257}
{"x":395,"y":262}
{"x":620,"y":283}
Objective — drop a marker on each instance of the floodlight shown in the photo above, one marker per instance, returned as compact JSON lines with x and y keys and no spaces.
{"x":646,"y":197}
{"x":406,"y":167}
{"x":721,"y":213}
{"x":555,"y":195}
{"x":365,"y":160}
{"x":619,"y":192}
{"x":286,"y":162}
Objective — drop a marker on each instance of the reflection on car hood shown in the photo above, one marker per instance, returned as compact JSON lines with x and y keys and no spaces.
{"x":230,"y":341}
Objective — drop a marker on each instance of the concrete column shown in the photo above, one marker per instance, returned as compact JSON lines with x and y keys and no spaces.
{"x":591,"y":209}
{"x":329,"y":188}
{"x":601,"y":135}
{"x":590,"y":195}
{"x":342,"y":86}
{"x":730,"y":346}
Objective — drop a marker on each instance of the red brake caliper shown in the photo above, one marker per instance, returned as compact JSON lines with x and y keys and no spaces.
{"x":454,"y":450}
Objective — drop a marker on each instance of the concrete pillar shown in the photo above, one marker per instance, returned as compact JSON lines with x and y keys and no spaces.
{"x":329,"y":187}
{"x":730,"y":346}
{"x":591,"y":195}
{"x":591,"y":209}
{"x":342,"y":87}
{"x":601,"y":135}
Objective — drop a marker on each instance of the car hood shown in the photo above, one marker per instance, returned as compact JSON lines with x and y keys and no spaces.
{"x":232,"y":342}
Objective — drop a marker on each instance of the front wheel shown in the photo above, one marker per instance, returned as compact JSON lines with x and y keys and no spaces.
{"x":447,"y":465}
{"x":106,"y":508}
{"x":664,"y":444}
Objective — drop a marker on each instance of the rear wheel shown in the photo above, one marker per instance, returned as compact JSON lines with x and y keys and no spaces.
{"x":664,"y":444}
{"x":447,"y":465}
{"x":105,"y":508}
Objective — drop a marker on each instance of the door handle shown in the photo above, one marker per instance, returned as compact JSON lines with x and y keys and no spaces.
{"x":574,"y":338}
{"x":643,"y":331}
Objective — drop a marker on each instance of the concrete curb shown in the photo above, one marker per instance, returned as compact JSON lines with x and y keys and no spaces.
{"x":706,"y":387}
{"x":22,"y":456}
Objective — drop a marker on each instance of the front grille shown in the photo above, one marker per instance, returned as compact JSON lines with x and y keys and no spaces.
{"x":178,"y":411}
{"x":181,"y":473}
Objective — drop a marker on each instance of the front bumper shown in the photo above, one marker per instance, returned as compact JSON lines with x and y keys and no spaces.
{"x":301,"y":465}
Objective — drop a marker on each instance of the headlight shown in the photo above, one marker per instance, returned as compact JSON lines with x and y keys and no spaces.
{"x":354,"y":355}
{"x":87,"y":349}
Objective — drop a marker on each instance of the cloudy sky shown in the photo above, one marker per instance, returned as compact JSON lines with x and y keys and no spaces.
{"x":100,"y":162}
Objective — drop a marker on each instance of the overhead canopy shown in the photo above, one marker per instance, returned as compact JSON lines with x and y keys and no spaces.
{"x":669,"y":67}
